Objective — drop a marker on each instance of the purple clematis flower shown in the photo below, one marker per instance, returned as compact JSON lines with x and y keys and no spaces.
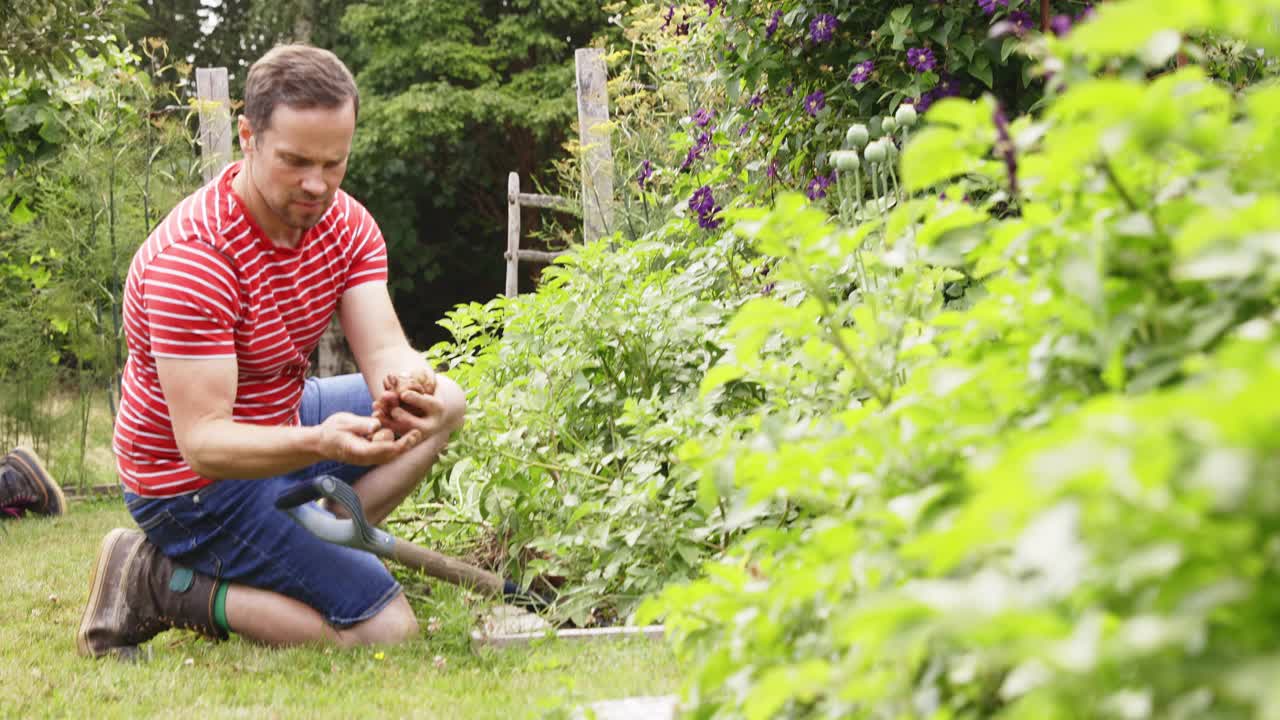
{"x":822,"y":27}
{"x":814,"y":102}
{"x":946,"y":87}
{"x":862,"y":72}
{"x":817,"y":188}
{"x":695,"y":152}
{"x":704,"y":203}
{"x":921,"y":59}
{"x":646,"y":171}
{"x":1022,"y":21}
{"x":1060,"y":25}
{"x":772,"y":27}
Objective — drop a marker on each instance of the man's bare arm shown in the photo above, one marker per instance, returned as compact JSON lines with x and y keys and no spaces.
{"x":201,"y":396}
{"x":377,"y":340}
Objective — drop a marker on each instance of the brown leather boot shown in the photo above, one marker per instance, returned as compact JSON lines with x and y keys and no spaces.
{"x":136,"y":592}
{"x":25,"y":485}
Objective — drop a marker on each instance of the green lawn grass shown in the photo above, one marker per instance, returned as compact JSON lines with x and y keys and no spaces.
{"x":45,"y":563}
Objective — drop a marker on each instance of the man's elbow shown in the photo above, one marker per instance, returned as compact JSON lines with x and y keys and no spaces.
{"x":198,"y":454}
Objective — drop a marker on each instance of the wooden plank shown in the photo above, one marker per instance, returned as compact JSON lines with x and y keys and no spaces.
{"x":597,"y":159}
{"x":554,"y":202}
{"x":539,"y":255}
{"x":650,"y":632}
{"x":513,"y":235}
{"x":215,"y":120}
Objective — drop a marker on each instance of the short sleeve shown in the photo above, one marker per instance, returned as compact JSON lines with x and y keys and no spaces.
{"x":191,"y":298}
{"x":368,"y":248}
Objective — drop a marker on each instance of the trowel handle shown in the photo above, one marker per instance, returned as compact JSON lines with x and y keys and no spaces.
{"x":446,"y":568}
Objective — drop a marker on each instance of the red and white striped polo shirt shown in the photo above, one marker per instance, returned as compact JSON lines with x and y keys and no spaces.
{"x":208,"y":283}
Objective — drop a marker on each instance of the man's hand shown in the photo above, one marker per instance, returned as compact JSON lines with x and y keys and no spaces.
{"x":408,"y":401}
{"x":357,"y":440}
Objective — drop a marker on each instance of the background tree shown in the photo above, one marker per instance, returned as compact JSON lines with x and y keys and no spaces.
{"x":457,"y":95}
{"x":41,"y":36}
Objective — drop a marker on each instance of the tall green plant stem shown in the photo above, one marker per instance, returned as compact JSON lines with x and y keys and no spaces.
{"x":833,"y":332}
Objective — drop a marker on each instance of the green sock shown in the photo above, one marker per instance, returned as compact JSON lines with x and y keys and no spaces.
{"x":220,"y":606}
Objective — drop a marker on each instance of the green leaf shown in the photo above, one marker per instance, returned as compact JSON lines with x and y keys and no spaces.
{"x":934,"y":155}
{"x":21,"y":214}
{"x":981,"y":69}
{"x":1124,"y":28}
{"x":1010,"y":44}
{"x":719,"y":375}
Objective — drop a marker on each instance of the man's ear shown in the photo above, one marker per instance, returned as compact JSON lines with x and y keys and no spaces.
{"x":245,"y":133}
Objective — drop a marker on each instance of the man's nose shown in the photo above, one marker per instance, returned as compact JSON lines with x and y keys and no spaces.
{"x":313,"y":183}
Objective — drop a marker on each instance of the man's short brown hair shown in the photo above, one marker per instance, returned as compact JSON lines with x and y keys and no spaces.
{"x":299,"y":76}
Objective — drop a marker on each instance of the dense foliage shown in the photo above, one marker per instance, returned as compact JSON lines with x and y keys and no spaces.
{"x":981,"y":424}
{"x":89,"y":169}
{"x":43,"y":36}
{"x":457,"y":95}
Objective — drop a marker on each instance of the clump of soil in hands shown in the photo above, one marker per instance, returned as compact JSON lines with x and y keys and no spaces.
{"x":419,"y":382}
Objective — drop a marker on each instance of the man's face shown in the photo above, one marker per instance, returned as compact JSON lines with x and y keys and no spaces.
{"x":297,"y":163}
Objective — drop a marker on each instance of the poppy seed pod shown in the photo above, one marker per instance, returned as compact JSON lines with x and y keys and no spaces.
{"x":876,"y":152}
{"x":906,"y":115}
{"x":845,"y":160}
{"x":857,"y":136}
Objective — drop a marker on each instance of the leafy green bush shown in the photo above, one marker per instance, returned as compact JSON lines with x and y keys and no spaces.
{"x":89,"y":170}
{"x":1054,"y":495}
{"x":567,"y":454}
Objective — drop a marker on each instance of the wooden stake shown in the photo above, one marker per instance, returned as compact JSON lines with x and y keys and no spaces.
{"x":597,"y":167}
{"x":513,"y":235}
{"x":215,"y":120}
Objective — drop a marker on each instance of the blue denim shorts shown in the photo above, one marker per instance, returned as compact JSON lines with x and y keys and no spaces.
{"x":232,"y":530}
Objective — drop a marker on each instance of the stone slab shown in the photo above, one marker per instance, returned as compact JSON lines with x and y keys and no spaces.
{"x":649,"y":707}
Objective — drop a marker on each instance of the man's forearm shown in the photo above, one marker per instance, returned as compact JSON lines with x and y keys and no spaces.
{"x":224,"y":448}
{"x":393,"y":360}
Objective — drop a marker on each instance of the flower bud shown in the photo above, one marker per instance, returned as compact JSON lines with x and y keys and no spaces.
{"x":857,"y":136}
{"x":888,"y":125}
{"x":876,"y":152}
{"x":845,"y":160}
{"x":906,"y":115}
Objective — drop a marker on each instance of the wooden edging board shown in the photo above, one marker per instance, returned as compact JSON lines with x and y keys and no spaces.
{"x":480,"y":639}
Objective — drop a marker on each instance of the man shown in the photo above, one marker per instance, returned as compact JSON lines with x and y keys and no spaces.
{"x":223,"y":305}
{"x":25,"y":486}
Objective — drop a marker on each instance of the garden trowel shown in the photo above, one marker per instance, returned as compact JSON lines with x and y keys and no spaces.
{"x":359,"y":534}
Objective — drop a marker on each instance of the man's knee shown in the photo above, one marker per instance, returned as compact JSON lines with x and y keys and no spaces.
{"x":454,"y":400}
{"x":394,"y":624}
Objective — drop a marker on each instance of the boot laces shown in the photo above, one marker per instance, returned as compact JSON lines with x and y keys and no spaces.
{"x":17,"y":505}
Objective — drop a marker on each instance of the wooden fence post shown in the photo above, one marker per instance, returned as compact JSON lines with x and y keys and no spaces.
{"x":513,"y":234}
{"x":215,"y":120}
{"x":597,"y":160}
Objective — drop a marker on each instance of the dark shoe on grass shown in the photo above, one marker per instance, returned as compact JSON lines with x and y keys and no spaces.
{"x":26,"y":486}
{"x":136,"y":593}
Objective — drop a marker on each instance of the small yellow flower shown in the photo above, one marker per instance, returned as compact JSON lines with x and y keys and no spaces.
{"x":379,"y":655}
